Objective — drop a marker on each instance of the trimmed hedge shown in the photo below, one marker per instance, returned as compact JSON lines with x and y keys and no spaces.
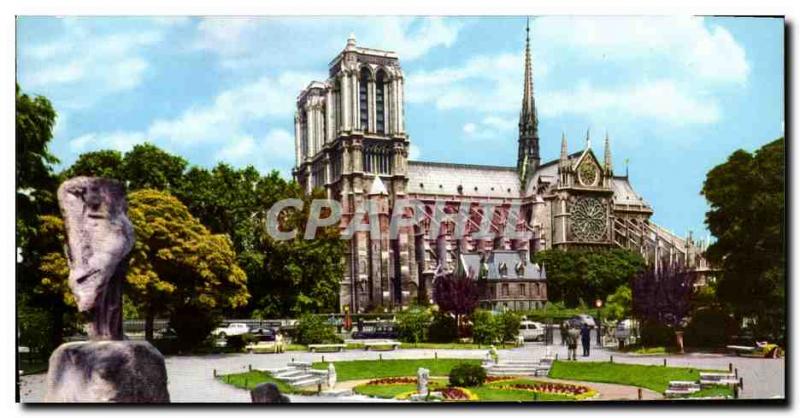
{"x":468,"y":375}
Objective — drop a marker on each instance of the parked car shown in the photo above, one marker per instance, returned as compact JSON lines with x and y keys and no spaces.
{"x":377,"y":332}
{"x":531,"y":331}
{"x":581,"y":319}
{"x":623,"y":329}
{"x":264,"y":334}
{"x":165,"y":333}
{"x":235,"y":328}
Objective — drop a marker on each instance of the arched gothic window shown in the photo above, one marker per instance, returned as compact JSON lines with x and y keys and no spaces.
{"x":362,"y":98}
{"x":337,"y":105}
{"x":380,"y":124}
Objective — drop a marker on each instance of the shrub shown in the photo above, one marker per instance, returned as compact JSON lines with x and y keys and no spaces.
{"x":412,"y":325}
{"x":314,"y":329}
{"x":467,"y":375}
{"x":708,"y":328}
{"x":484,"y":327}
{"x":443,"y":329}
{"x":508,"y":325}
{"x":237,"y":343}
{"x":192,"y":326}
{"x":656,"y":334}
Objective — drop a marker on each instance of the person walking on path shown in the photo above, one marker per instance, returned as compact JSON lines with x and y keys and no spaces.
{"x":572,"y":342}
{"x":562,"y":331}
{"x":585,"y":339}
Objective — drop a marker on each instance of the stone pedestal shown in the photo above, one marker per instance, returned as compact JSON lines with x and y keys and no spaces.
{"x":107,"y":371}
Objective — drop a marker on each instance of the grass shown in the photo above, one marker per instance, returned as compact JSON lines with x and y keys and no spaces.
{"x":295,"y":347}
{"x":714,"y":391}
{"x":655,"y":378}
{"x":638,"y":349}
{"x":384,"y":391}
{"x":251,"y":379}
{"x":373,"y":369}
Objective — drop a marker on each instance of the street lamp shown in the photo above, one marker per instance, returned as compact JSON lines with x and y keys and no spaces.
{"x":599,"y":304}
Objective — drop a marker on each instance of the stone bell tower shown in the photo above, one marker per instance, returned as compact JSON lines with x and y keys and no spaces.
{"x":349,"y":133}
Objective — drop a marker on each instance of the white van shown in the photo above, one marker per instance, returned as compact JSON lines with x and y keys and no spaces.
{"x":531,"y":331}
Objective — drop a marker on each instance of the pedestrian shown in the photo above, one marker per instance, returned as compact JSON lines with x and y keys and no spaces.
{"x":572,"y":342}
{"x":585,"y":339}
{"x":562,"y":330}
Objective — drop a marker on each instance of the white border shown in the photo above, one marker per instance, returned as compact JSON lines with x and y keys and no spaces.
{"x":339,"y":7}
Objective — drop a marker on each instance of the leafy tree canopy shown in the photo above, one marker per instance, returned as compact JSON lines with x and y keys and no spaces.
{"x":746,"y":195}
{"x":149,"y":167}
{"x":582,"y":275}
{"x":103,"y":163}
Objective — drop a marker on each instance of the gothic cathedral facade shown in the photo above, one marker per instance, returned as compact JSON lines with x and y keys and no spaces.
{"x":351,"y":141}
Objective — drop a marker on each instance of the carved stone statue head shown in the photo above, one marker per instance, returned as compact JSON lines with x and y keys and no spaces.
{"x":99,"y":238}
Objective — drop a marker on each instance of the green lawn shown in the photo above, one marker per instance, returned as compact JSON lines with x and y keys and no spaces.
{"x":251,"y":379}
{"x":713,"y":391}
{"x":655,"y":378}
{"x":373,"y":369}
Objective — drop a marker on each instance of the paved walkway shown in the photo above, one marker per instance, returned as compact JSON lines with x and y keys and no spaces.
{"x":191,"y":377}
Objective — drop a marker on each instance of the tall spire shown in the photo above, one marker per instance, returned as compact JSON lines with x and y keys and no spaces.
{"x":528,"y":114}
{"x":564,"y":153}
{"x":608,"y":155}
{"x":528,"y":120}
{"x":588,"y":139}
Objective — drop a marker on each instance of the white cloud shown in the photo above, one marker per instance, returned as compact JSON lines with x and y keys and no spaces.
{"x":706,"y":51}
{"x":414,"y":152}
{"x":661,"y":69}
{"x":118,"y":140}
{"x":251,"y":43}
{"x":84,"y":65}
{"x":496,"y":80}
{"x":224,"y":126}
{"x":276,"y":149}
{"x":232,"y":109}
{"x":660,"y":100}
{"x":490,"y":128}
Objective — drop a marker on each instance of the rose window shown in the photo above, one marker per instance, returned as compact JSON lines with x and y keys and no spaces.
{"x":588,"y":219}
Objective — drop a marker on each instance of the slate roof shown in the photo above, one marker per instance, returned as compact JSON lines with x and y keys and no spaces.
{"x":444,"y":178}
{"x":625,"y":195}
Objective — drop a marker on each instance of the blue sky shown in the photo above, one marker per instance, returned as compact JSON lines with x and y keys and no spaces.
{"x":677,"y":95}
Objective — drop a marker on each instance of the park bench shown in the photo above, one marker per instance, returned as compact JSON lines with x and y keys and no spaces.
{"x":681,"y":387}
{"x":333,"y":347}
{"x":707,"y":379}
{"x":372,"y":344}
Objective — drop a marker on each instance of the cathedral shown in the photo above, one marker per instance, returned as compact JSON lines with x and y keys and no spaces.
{"x":351,"y":141}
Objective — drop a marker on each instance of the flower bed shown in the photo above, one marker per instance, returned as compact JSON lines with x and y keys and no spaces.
{"x":392,"y":381}
{"x":493,"y":379}
{"x":573,"y":391}
{"x":457,"y":394}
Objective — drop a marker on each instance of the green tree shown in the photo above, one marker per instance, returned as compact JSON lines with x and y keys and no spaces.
{"x":35,"y":196}
{"x":413,"y":323}
{"x":746,"y":196}
{"x":618,"y":306}
{"x":103,"y":163}
{"x":581,"y":275}
{"x":485,"y":327}
{"x":298,"y":275}
{"x":148,"y":167}
{"x":178,"y":267}
{"x":508,"y":323}
{"x":314,"y":329}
